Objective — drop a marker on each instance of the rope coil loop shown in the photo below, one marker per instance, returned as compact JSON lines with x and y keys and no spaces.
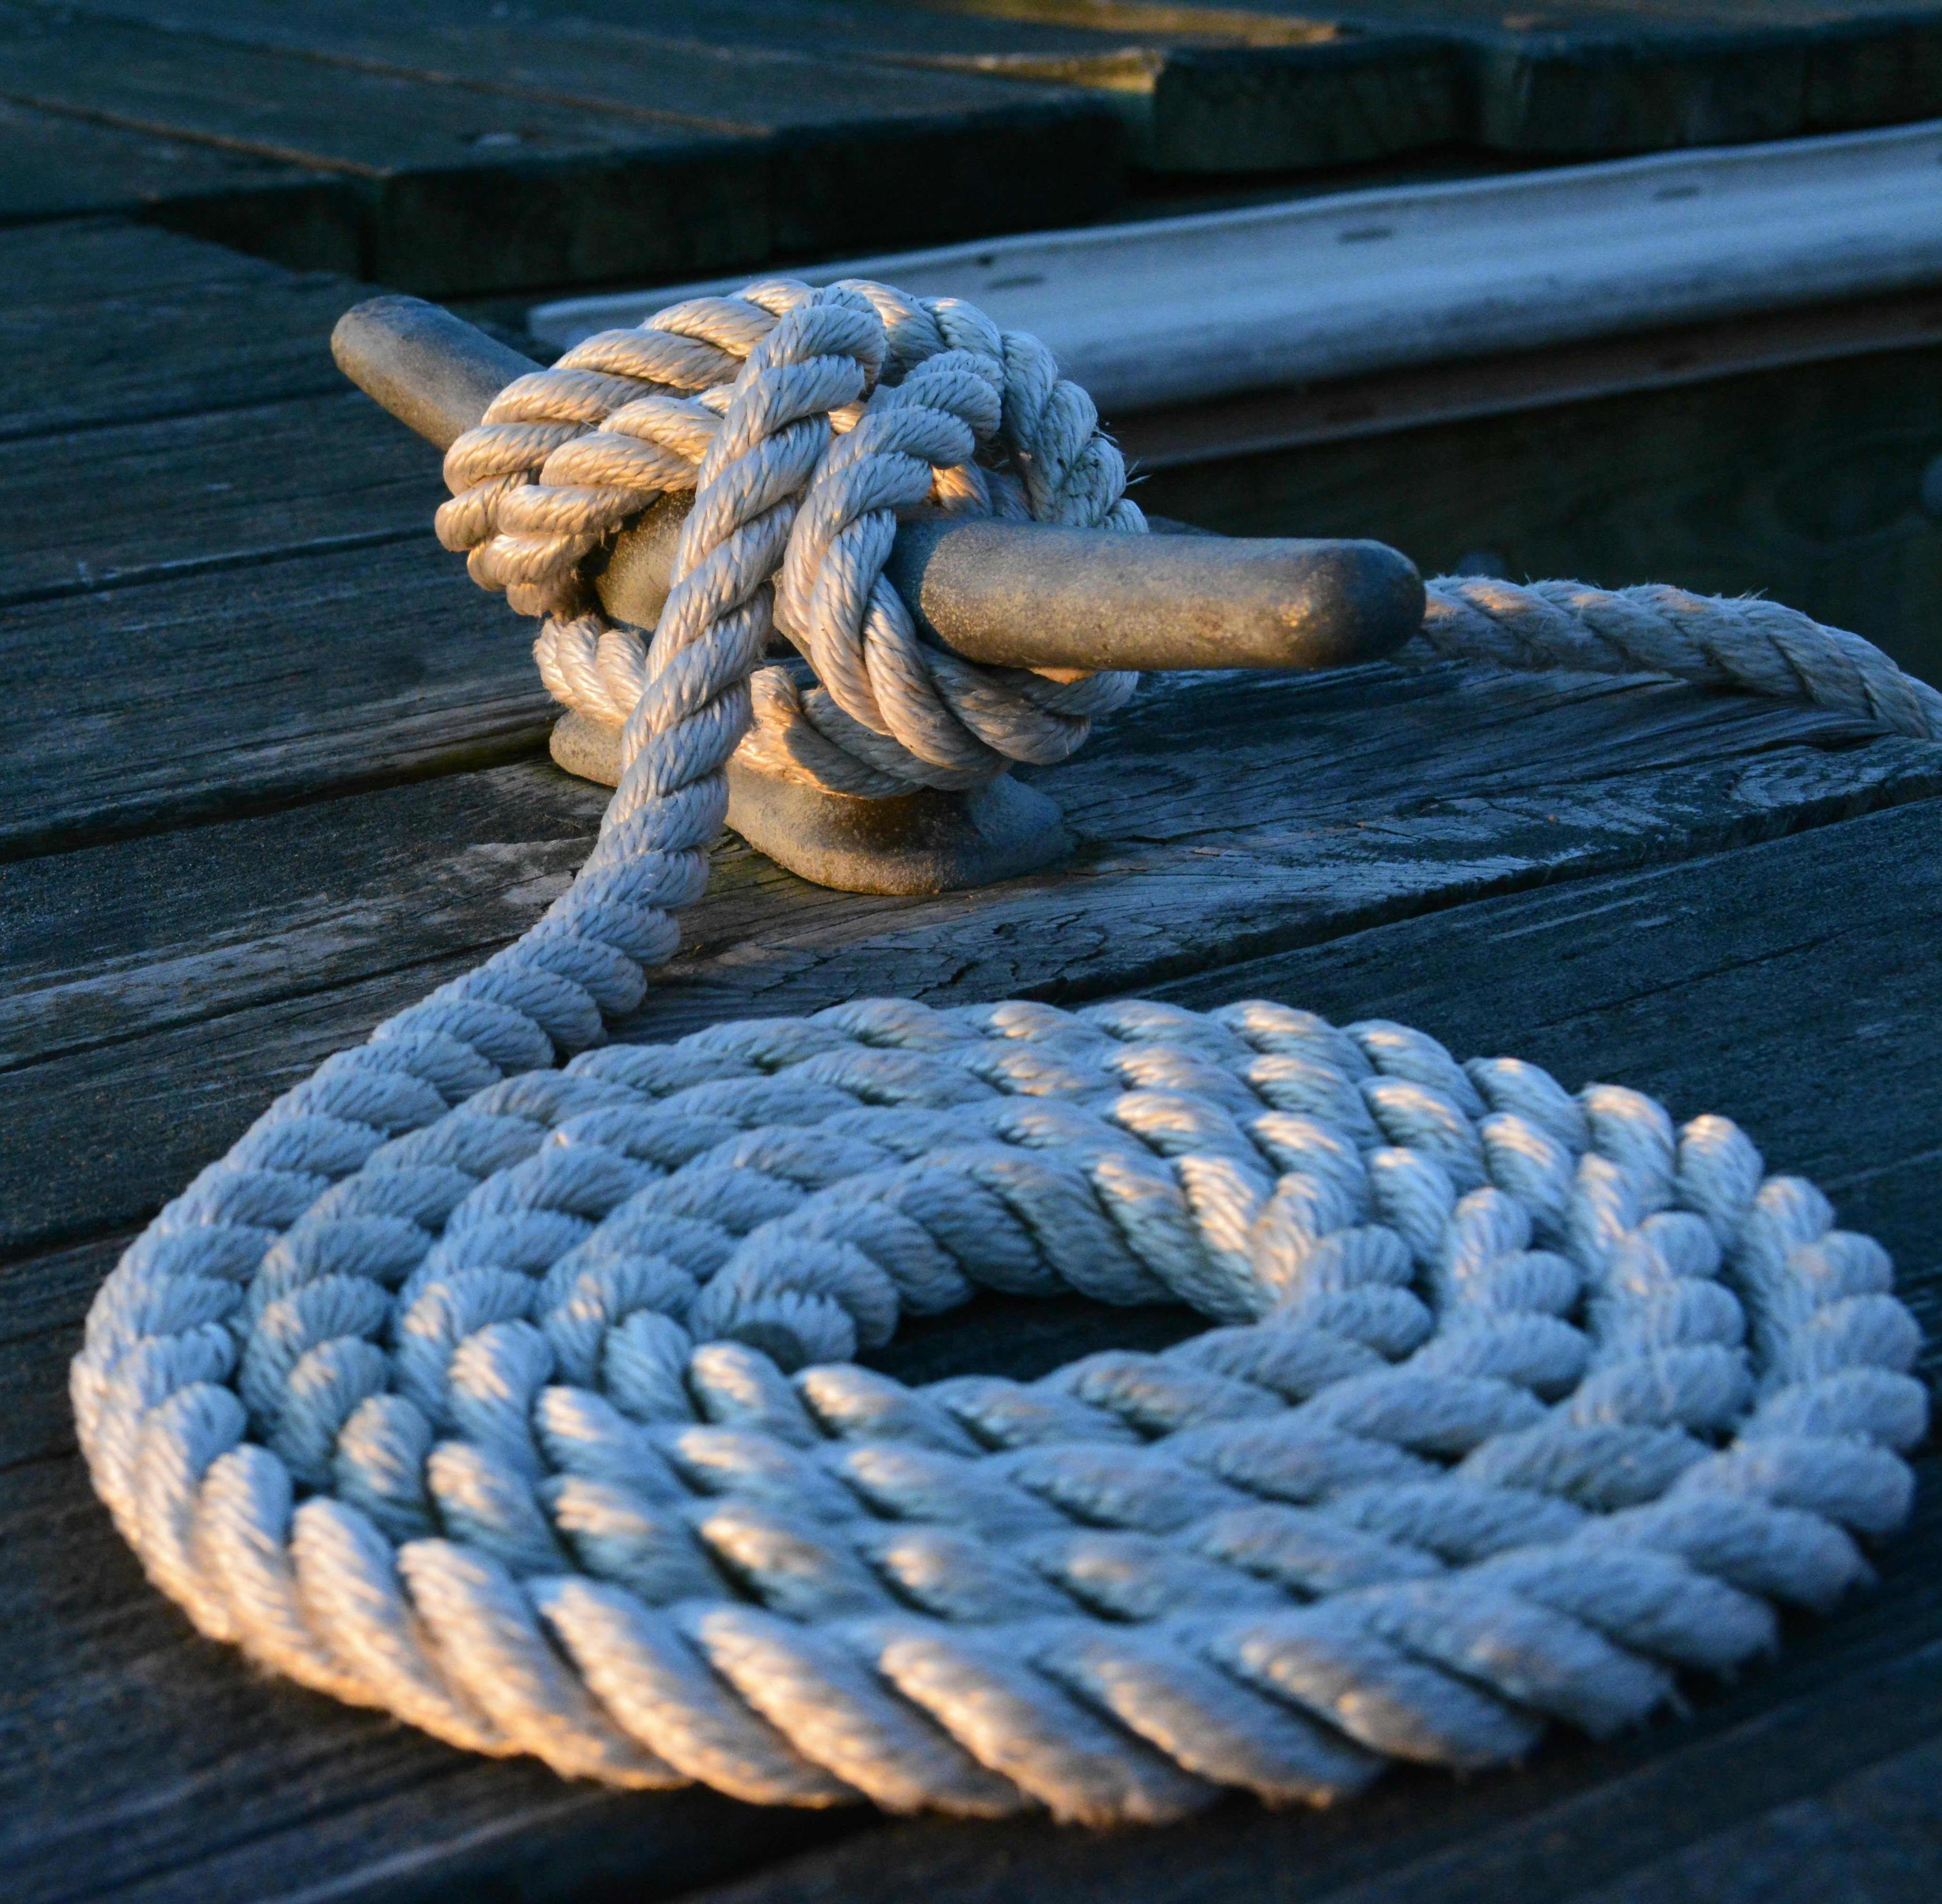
{"x":505,"y":1379}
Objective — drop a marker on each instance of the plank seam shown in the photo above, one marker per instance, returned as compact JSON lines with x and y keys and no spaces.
{"x":114,"y":580}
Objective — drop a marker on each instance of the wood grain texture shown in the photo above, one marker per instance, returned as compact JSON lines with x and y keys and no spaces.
{"x":1590,"y":78}
{"x":1223,"y":817}
{"x":1324,"y":287}
{"x":1792,"y":983}
{"x":79,"y":262}
{"x":461,"y":189}
{"x":204,"y":970}
{"x":492,"y":157}
{"x":118,"y":506}
{"x":1668,"y":357}
{"x":1198,"y":96}
{"x":1224,"y":109}
{"x":1872,"y":1834}
{"x":229,"y":576}
{"x":832,"y":78}
{"x":687,"y":75}
{"x":106,"y":322}
{"x":282,"y":680}
{"x":1803,"y":483}
{"x":331,"y":116}
{"x":53,"y":166}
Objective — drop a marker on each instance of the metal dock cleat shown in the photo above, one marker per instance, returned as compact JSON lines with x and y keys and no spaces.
{"x":1063,"y":602}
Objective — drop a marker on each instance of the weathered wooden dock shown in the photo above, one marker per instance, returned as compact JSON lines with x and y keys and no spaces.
{"x":273,"y":769}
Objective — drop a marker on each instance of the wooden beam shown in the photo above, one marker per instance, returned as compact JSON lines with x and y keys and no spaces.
{"x":1586,"y":78}
{"x":490,"y":156}
{"x":1804,"y":482}
{"x":1337,"y":409}
{"x":1203,"y":91}
{"x":1189,"y":309}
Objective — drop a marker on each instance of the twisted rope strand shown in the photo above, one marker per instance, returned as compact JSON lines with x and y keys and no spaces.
{"x":565,"y":457}
{"x":520,"y":1401}
{"x":1496,"y":1445}
{"x":1755,"y":647}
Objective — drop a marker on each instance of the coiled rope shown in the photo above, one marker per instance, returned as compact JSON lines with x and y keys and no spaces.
{"x":519,"y":1401}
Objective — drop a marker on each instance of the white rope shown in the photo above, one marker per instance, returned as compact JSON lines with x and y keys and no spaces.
{"x":1755,"y":646}
{"x":521,"y":1402}
{"x":983,"y":425}
{"x":953,"y":415}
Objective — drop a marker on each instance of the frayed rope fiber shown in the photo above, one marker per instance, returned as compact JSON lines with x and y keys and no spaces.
{"x":503,"y":1378}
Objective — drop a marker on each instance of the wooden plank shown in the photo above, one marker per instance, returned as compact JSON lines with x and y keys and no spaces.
{"x":1202,"y":90}
{"x":139,"y":358}
{"x":1871,"y":1835}
{"x":188,"y":928}
{"x":279,"y":596}
{"x":107,"y":323}
{"x":684,"y":64}
{"x":1722,"y":982}
{"x":1189,"y":309}
{"x":67,"y":266}
{"x":295,"y":676}
{"x":1802,"y":483}
{"x":465,"y":189}
{"x":496,"y":157}
{"x":57,"y":167}
{"x":1332,"y":409}
{"x":1586,"y":77}
{"x":1347,"y":102}
{"x":1212,"y":89}
{"x":256,"y":947}
{"x":1197,"y":96}
{"x":115,"y":506}
{"x":1221,"y":817}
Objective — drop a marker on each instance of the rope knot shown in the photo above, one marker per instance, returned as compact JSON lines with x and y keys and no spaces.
{"x":838,"y":410}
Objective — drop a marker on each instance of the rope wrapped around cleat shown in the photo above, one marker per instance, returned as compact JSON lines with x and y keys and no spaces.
{"x":506,"y":1378}
{"x":930,"y":406}
{"x":955,"y":417}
